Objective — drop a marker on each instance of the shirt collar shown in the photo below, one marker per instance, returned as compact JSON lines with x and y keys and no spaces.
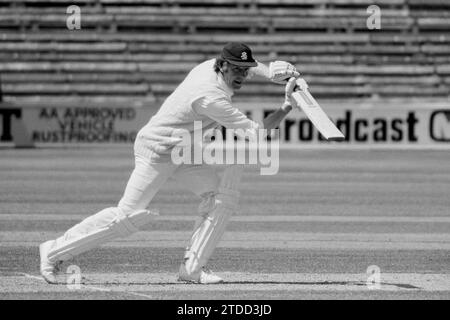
{"x":224,"y":85}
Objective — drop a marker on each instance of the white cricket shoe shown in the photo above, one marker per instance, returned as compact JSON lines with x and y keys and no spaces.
{"x":48,"y":269}
{"x":204,"y":276}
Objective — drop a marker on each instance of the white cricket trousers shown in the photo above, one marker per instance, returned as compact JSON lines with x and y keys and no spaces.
{"x":145,"y":181}
{"x":148,"y":177}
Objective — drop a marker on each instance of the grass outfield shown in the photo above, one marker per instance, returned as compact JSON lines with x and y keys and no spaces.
{"x":309,"y":232}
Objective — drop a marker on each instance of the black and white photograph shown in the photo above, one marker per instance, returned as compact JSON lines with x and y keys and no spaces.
{"x":238,"y":152}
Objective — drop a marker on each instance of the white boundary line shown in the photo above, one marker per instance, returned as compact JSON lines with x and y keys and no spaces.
{"x":94,"y":288}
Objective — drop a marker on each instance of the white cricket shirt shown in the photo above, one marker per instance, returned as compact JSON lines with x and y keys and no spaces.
{"x":202,"y":96}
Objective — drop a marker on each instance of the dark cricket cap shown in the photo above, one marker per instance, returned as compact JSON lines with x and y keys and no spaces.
{"x":238,"y":54}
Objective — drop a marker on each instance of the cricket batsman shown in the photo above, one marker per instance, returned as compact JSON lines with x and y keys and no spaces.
{"x":204,"y":95}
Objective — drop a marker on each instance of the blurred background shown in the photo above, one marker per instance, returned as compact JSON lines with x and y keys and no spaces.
{"x":135,"y":52}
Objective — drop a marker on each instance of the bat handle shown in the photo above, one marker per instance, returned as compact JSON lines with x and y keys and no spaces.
{"x":301,"y":85}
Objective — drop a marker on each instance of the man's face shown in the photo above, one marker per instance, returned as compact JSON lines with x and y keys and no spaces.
{"x":233,"y":75}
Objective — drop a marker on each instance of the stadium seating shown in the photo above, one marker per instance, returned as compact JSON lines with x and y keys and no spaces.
{"x":141,"y":49}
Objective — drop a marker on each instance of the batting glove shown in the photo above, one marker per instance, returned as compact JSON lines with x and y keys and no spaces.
{"x":289,"y":102}
{"x":280,"y":71}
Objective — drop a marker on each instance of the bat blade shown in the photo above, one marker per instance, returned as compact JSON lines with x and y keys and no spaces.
{"x":316,"y":115}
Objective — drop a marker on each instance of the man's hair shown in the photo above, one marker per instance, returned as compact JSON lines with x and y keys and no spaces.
{"x":218,"y":64}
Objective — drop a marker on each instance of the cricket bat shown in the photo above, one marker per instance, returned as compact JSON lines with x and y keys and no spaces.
{"x":315,"y":113}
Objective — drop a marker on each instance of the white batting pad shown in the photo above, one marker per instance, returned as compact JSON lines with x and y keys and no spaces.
{"x":208,"y":233}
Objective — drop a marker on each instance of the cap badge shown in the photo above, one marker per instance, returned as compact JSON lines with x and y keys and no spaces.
{"x":244,"y":55}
